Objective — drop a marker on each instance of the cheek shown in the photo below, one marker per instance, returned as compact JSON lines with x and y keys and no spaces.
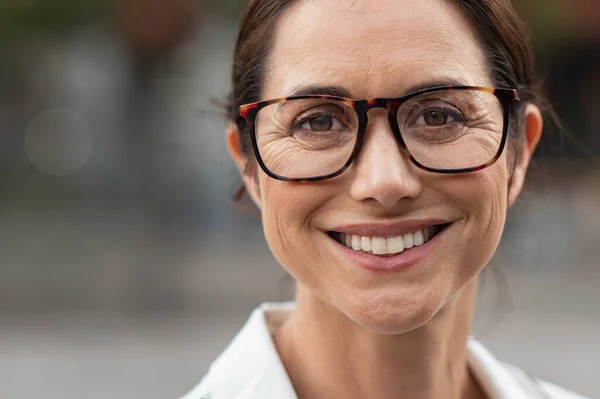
{"x":286,"y":217}
{"x":483,"y":199}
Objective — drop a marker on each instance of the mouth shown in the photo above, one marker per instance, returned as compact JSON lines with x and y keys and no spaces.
{"x":387,"y":246}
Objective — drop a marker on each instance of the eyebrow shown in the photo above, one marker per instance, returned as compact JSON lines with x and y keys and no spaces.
{"x":436,"y":83}
{"x":339,"y":91}
{"x":309,"y":90}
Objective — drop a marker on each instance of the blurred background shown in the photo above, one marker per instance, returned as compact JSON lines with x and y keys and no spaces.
{"x":125,"y":267}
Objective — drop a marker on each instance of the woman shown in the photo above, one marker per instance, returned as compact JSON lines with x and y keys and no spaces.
{"x":385,"y":210}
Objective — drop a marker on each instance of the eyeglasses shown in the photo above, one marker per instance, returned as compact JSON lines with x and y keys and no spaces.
{"x":452,"y":129}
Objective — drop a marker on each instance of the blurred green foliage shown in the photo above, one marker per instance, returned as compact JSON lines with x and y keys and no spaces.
{"x":546,"y":19}
{"x":229,"y":7}
{"x":26,"y":18}
{"x":33,"y":17}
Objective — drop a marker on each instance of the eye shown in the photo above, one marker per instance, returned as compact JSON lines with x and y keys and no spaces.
{"x":321,"y":123}
{"x":438,"y":117}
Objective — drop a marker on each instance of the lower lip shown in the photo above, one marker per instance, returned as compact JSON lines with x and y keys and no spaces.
{"x":395,"y":263}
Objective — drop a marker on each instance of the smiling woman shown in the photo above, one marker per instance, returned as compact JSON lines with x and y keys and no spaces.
{"x":383,"y":142}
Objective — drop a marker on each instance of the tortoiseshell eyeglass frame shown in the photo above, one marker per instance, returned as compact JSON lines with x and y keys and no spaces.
{"x":506,"y":97}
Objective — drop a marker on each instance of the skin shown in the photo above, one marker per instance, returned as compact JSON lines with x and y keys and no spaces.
{"x":359,"y":334}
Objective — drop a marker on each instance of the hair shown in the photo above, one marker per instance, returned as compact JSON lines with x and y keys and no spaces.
{"x":503,"y":35}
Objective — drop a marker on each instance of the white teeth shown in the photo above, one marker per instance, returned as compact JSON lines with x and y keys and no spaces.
{"x":379,"y":246}
{"x":356,"y":243}
{"x":391,"y":245}
{"x":366,"y":244}
{"x":418,"y":238}
{"x":395,"y":245}
{"x":408,"y":240}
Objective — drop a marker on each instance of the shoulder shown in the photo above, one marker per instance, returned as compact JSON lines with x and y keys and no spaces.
{"x":545,"y":389}
{"x":249,"y":368}
{"x":507,"y":381}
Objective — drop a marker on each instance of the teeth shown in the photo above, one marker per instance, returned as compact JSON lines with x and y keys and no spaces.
{"x":395,"y":245}
{"x":366,"y":244}
{"x":380,"y":246}
{"x":391,"y":245}
{"x":408,"y":240}
{"x":418,"y":238}
{"x":356,"y":243}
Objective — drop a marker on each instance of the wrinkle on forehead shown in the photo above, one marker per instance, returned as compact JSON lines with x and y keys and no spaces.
{"x":370,"y":46}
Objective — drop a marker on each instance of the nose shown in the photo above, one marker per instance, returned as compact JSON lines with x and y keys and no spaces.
{"x":382,"y":172}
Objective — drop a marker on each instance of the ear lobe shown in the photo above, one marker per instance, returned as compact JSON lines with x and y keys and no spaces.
{"x":232,"y":138}
{"x":234,"y":145}
{"x":534,"y":125}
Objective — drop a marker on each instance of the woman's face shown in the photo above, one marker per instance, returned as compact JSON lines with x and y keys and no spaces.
{"x":381,"y":48}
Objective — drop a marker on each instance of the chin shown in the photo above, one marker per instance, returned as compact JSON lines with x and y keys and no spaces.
{"x":392,"y":315}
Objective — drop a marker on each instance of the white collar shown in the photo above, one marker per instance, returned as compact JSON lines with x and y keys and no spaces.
{"x":250,"y":367}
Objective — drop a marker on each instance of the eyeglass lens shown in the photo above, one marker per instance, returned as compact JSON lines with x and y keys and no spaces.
{"x":455,"y":129}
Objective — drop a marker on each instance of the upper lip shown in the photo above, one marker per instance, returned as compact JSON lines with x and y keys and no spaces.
{"x":388,"y":229}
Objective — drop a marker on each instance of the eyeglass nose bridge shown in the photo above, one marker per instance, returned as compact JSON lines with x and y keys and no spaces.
{"x":391,"y":106}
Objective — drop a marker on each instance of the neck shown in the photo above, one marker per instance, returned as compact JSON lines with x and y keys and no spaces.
{"x":327,"y":355}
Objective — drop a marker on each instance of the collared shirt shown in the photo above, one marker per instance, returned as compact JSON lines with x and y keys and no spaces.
{"x":250,"y":367}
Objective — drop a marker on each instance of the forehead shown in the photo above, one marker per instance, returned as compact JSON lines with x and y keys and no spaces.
{"x":373,"y":48}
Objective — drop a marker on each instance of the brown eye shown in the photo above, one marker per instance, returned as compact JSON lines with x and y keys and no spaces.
{"x":436,"y":118}
{"x":319,"y":123}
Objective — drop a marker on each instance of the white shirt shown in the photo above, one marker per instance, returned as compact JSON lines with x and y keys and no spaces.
{"x":250,"y":367}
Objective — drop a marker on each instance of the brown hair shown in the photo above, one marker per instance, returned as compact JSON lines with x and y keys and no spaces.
{"x":503,"y":35}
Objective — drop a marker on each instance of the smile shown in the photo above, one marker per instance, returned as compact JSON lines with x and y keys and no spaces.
{"x":383,"y":246}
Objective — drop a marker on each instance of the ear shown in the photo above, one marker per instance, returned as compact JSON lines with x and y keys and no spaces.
{"x":534,"y":125}
{"x":249,"y":178}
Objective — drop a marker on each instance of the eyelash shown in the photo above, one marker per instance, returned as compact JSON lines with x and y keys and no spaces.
{"x":453,"y":112}
{"x":297,"y":125}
